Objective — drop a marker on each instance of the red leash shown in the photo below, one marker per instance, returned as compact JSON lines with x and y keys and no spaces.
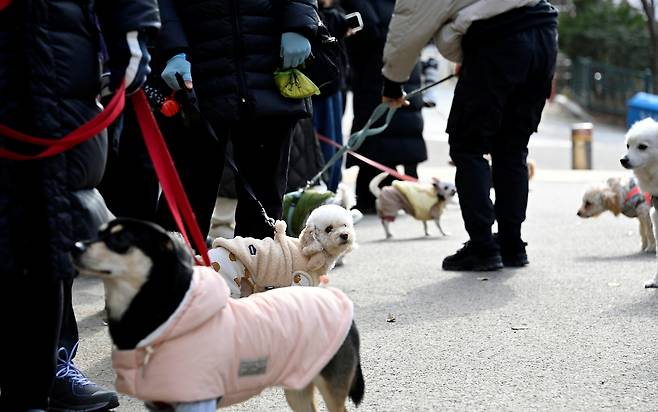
{"x":164,"y":165}
{"x":169,"y":179}
{"x":77,"y":136}
{"x":364,"y":159}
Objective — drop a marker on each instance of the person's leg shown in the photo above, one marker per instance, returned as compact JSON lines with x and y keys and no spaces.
{"x":411,"y":169}
{"x":261,"y":151}
{"x":129,"y":186}
{"x":472,"y":123}
{"x":31,"y":298}
{"x":327,"y":120}
{"x":199,"y":160}
{"x":72,"y":390}
{"x":28,"y":368}
{"x":509,"y":153}
{"x":222,"y":222}
{"x":365,"y":201}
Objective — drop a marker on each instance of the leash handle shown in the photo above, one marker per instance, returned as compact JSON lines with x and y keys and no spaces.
{"x":172,"y":188}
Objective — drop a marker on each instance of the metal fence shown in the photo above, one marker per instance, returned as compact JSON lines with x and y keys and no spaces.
{"x":603,"y":88}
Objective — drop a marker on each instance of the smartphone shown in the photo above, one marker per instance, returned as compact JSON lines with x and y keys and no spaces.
{"x":354,"y":21}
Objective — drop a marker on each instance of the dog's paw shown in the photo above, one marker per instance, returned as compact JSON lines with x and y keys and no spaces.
{"x":651,"y":283}
{"x":650,"y":249}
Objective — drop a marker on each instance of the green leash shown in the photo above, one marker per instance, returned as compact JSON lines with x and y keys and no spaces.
{"x":356,"y":139}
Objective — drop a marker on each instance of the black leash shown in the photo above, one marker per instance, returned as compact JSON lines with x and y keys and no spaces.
{"x":192,"y":102}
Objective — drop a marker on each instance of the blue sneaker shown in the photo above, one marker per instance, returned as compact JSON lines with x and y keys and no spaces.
{"x":73,"y":392}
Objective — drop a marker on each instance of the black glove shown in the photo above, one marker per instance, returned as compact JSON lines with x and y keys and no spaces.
{"x":129,"y":61}
{"x":392,"y":89}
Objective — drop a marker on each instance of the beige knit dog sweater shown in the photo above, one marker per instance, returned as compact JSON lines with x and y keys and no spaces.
{"x":269,"y":263}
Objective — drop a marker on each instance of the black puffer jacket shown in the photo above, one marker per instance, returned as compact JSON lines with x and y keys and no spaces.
{"x":402,"y":142}
{"x":234,"y":46}
{"x":49,"y":81}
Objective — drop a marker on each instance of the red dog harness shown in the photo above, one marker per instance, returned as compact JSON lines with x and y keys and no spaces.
{"x":634,"y":198}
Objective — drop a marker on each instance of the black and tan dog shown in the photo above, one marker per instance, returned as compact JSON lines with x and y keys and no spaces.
{"x":180,"y":340}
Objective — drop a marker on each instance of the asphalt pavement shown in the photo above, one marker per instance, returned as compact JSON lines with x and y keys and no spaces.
{"x":574,"y":330}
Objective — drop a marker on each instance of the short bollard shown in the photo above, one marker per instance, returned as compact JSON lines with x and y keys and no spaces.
{"x":581,"y":145}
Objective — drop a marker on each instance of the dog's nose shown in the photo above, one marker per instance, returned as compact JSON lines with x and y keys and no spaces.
{"x":344,"y":236}
{"x":78,"y":249}
{"x":625,"y":162}
{"x":579,"y":213}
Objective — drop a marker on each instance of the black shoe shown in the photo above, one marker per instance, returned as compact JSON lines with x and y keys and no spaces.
{"x":73,"y":392}
{"x":513,"y":253}
{"x":469,"y":258}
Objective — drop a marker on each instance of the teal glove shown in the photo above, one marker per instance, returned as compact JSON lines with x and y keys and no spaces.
{"x":295,"y":48}
{"x":177,"y":64}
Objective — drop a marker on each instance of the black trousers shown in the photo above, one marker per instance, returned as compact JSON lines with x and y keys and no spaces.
{"x":497,"y":105}
{"x":261,"y":149}
{"x":36,"y":310}
{"x":129,"y":186}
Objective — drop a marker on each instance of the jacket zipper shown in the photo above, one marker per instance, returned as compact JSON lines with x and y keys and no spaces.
{"x":238,"y":49}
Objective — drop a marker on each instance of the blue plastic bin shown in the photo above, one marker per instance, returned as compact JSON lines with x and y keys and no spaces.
{"x":641,"y":106}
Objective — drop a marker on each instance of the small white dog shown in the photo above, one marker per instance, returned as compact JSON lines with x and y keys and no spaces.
{"x":254,"y":265}
{"x":423,"y":201}
{"x":298,"y":205}
{"x":622,"y":196}
{"x":642,"y":158}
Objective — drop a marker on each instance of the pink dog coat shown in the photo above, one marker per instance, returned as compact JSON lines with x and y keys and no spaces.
{"x":213,"y":346}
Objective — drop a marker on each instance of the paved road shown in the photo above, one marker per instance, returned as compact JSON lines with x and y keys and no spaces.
{"x":575,"y":330}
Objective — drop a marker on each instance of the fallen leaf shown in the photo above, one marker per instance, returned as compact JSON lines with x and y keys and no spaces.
{"x":520,"y":327}
{"x":483,"y":279}
{"x":390,"y":318}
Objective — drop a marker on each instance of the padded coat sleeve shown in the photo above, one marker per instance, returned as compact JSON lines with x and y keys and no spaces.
{"x":122,"y":16}
{"x":301,"y":16}
{"x":413,"y":24}
{"x":172,"y":39}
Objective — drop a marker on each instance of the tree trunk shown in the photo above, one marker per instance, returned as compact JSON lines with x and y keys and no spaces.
{"x":649,"y":11}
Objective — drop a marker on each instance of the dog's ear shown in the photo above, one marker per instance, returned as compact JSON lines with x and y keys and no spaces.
{"x":308,"y":241}
{"x":611,"y":201}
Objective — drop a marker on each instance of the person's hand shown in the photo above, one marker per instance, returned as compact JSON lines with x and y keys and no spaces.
{"x":396,"y":103}
{"x":177,"y":64}
{"x":295,"y":48}
{"x":129,"y":61}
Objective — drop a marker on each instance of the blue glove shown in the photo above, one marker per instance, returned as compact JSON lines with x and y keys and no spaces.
{"x":295,"y":48}
{"x":177,"y":64}
{"x":129,"y":61}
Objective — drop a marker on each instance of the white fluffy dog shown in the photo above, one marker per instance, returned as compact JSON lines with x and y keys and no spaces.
{"x":621,"y":196}
{"x":642,"y":158}
{"x":254,"y":265}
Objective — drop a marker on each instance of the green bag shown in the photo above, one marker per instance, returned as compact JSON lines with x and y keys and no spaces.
{"x":294,"y":84}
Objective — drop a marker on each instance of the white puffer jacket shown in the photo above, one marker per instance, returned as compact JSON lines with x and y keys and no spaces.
{"x":415,"y":22}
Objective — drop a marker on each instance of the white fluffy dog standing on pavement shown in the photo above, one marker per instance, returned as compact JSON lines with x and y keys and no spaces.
{"x":642,"y":158}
